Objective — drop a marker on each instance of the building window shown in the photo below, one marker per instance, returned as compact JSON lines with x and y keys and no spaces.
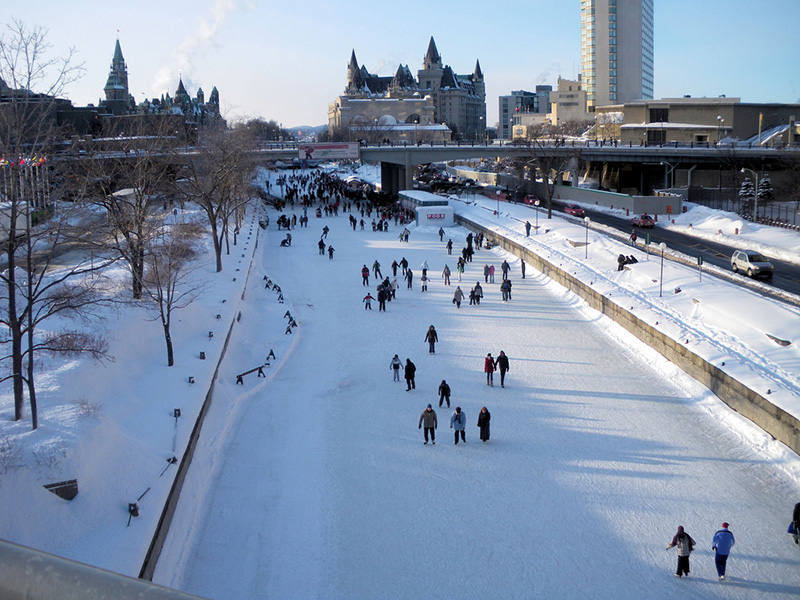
{"x":659,"y":115}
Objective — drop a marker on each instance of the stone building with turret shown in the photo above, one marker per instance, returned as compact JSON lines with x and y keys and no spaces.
{"x":437,"y":105}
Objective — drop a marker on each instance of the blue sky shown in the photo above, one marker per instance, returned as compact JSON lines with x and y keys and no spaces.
{"x":286,"y":60}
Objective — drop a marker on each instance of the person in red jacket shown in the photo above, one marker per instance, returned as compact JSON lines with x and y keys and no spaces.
{"x":365,"y":275}
{"x":489,"y":368}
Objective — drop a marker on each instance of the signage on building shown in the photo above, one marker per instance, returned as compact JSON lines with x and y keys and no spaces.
{"x":435,"y":216}
{"x":328,"y":151}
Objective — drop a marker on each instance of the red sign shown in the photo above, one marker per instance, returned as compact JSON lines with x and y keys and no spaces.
{"x":435,"y":216}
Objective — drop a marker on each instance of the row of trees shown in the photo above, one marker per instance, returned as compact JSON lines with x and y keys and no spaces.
{"x":55,"y":253}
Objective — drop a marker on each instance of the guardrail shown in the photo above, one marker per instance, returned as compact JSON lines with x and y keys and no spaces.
{"x":28,"y":574}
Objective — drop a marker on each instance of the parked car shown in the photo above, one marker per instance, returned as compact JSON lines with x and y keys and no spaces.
{"x":530,"y":199}
{"x":574,"y":210}
{"x":752,"y":263}
{"x":644,"y":220}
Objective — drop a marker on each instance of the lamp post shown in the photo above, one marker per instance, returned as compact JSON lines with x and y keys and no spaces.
{"x":586,"y":246}
{"x":498,"y":204}
{"x":536,"y":210}
{"x":720,"y":121}
{"x":755,"y":194}
{"x":663,"y":247}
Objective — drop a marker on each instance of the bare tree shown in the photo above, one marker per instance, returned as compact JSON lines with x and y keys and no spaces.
{"x":551,"y":159}
{"x":31,"y":292}
{"x":134,"y":184}
{"x":168,"y":279}
{"x":216,"y":180}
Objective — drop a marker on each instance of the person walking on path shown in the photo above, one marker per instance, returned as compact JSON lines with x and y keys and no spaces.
{"x":458,"y":423}
{"x":446,"y":275}
{"x":441,"y":234}
{"x":376,"y":270}
{"x":458,"y":296}
{"x":505,"y":267}
{"x":632,"y":238}
{"x":488,"y":368}
{"x":321,"y":245}
{"x":449,"y":246}
{"x":505,"y":290}
{"x":364,"y":275}
{"x":502,"y":366}
{"x":367,"y":299}
{"x":444,"y":393}
{"x":722,"y":543}
{"x":404,"y":264}
{"x":325,"y":231}
{"x":394,"y":288}
{"x":331,"y":250}
{"x":395,"y":367}
{"x":395,"y":264}
{"x":409,"y":277}
{"x":483,"y":422}
{"x":460,"y":267}
{"x":429,"y":420}
{"x":410,"y":372}
{"x":527,"y":228}
{"x":685,"y":545}
{"x":522,"y":267}
{"x":486,"y":273}
{"x":491,"y":273}
{"x":431,"y":337}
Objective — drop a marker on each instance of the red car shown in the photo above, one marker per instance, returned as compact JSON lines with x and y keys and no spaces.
{"x":574,"y":210}
{"x":643,"y":221}
{"x":531,"y":199}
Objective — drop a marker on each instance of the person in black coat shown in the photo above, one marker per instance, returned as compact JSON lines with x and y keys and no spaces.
{"x":431,"y":337}
{"x":444,"y":393}
{"x":483,"y":422}
{"x":501,"y":362}
{"x":410,"y":371}
{"x":382,"y":299}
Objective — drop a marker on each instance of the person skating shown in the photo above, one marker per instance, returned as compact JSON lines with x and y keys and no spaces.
{"x":685,"y":545}
{"x":458,"y":296}
{"x":502,"y":365}
{"x":485,"y":273}
{"x":331,"y":250}
{"x":431,"y":337}
{"x":365,"y":275}
{"x":376,"y":270}
{"x":394,"y":288}
{"x":444,"y":393}
{"x":410,"y":372}
{"x":505,"y":290}
{"x":321,"y":246}
{"x":367,"y":299}
{"x":424,"y":267}
{"x":423,"y":281}
{"x":429,"y":420}
{"x":409,"y":277}
{"x":505,"y":267}
{"x":488,"y":368}
{"x":478,"y":292}
{"x":483,"y":422}
{"x":458,"y":423}
{"x":446,"y":275}
{"x":522,"y":267}
{"x":395,"y":367}
{"x":395,"y":264}
{"x":449,"y":246}
{"x":722,"y":543}
{"x":382,"y":294}
{"x":325,"y":231}
{"x":491,"y":273}
{"x":441,"y":234}
{"x":404,"y":264}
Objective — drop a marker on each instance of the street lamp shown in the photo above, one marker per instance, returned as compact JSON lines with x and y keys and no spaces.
{"x":755,"y":194}
{"x":663,"y":247}
{"x":586,"y":246}
{"x":536,"y":210}
{"x":720,"y":121}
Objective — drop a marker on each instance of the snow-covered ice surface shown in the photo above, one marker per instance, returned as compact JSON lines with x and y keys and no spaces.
{"x":314,"y":482}
{"x":600,"y":449}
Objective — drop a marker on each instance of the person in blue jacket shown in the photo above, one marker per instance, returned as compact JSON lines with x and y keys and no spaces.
{"x":722,"y":543}
{"x":458,"y":422}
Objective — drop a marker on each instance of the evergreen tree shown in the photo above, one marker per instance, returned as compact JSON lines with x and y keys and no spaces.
{"x":765,"y":190}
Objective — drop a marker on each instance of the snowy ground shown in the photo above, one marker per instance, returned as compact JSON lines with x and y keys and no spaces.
{"x":599,"y":449}
{"x":314,"y":481}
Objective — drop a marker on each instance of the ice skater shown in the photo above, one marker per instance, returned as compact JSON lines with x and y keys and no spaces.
{"x":429,"y":420}
{"x":685,"y":545}
{"x":722,"y":543}
{"x":483,"y":422}
{"x":458,"y":423}
{"x":488,"y":368}
{"x":431,"y":337}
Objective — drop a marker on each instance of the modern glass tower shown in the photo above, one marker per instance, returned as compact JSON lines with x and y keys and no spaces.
{"x":617,"y":50}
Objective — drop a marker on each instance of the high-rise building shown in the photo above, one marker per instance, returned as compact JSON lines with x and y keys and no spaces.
{"x":617,"y":50}
{"x":521,"y":102}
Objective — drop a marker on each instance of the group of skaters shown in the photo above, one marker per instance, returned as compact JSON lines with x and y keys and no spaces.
{"x":429,"y":422}
{"x":721,"y":544}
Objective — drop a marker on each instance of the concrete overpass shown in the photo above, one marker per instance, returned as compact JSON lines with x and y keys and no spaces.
{"x":645,"y":166}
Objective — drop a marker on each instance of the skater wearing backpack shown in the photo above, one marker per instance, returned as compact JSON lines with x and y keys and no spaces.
{"x":685,"y":545}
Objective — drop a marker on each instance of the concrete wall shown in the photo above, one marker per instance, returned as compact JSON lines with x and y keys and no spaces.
{"x":775,"y":421}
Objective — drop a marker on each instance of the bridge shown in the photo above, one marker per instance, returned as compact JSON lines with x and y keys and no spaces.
{"x":646,"y":166}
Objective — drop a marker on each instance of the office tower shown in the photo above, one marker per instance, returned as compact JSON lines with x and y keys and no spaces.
{"x":617,"y":50}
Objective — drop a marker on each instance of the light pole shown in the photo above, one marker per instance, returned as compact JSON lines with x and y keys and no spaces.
{"x":755,"y":194}
{"x":720,"y":121}
{"x":586,"y":246}
{"x":663,"y":247}
{"x":536,"y":210}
